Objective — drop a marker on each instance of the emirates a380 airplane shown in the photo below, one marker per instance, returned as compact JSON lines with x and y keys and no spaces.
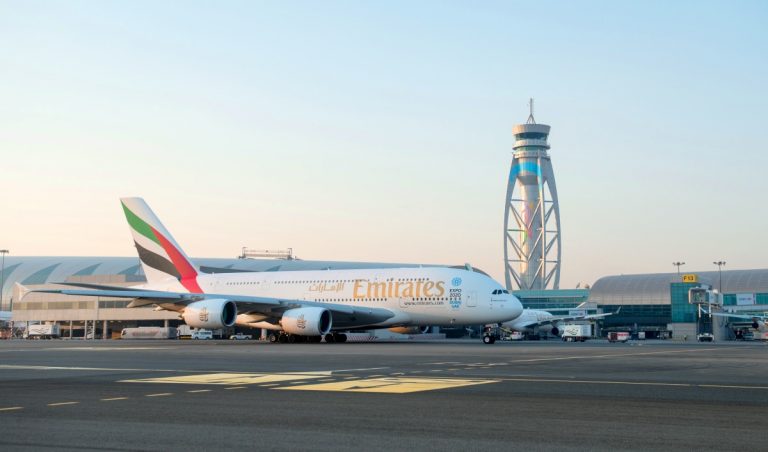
{"x":301,"y":305}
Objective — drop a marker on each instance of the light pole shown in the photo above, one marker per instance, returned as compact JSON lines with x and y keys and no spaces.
{"x":720,"y":265}
{"x":678,"y":264}
{"x":2,"y":276}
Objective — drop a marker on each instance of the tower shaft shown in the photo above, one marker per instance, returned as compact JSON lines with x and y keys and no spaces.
{"x":532,"y":250}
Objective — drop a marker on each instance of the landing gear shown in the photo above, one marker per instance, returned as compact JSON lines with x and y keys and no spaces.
{"x":335,"y":337}
{"x":273,"y":338}
{"x":491,"y":333}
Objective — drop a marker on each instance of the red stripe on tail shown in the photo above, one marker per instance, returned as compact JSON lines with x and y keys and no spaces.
{"x":187,"y":272}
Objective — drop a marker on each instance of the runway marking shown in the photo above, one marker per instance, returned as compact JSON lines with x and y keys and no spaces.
{"x":390,"y":385}
{"x":63,"y":403}
{"x":327,"y":379}
{"x":104,"y":369}
{"x":114,"y":398}
{"x":232,"y":379}
{"x":237,"y":387}
{"x":616,"y":355}
{"x":199,"y":390}
{"x":604,"y":382}
{"x":159,"y":394}
{"x":12,"y":408}
{"x":733,"y":386}
{"x":98,"y":349}
{"x":269,"y":385}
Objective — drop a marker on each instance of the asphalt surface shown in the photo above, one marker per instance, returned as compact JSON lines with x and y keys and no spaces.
{"x":454,"y":395}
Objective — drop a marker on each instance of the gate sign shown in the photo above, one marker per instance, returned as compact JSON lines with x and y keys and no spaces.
{"x":744,"y":299}
{"x":691,"y":278}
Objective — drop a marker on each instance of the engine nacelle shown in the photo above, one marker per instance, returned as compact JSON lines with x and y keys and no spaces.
{"x":555,"y":331}
{"x":410,"y":329}
{"x":210,"y":314}
{"x":309,"y":321}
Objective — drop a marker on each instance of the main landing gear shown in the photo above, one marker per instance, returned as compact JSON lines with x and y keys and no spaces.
{"x":335,"y":337}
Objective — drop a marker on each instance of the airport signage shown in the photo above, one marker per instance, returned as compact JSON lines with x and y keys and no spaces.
{"x":745,"y":299}
{"x":691,"y":278}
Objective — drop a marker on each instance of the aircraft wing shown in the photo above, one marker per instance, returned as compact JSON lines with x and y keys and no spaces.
{"x":343,"y":315}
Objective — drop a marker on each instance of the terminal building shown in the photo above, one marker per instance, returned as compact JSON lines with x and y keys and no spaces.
{"x":656,"y":305}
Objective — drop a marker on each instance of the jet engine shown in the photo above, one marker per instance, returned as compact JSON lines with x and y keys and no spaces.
{"x":309,"y":321}
{"x":555,"y":331}
{"x":210,"y":314}
{"x":420,"y":329}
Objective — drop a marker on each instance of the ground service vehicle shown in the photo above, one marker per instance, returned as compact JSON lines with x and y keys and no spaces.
{"x":576,"y":332}
{"x":202,"y":334}
{"x":149,"y":332}
{"x":618,"y":336}
{"x":42,"y":332}
{"x":240,"y":337}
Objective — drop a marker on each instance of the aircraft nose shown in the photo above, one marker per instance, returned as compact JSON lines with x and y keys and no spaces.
{"x":515,"y":307}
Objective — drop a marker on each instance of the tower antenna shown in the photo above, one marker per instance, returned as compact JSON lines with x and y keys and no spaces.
{"x":530,"y":116}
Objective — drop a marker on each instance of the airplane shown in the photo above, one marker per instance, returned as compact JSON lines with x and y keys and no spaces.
{"x":534,"y":321}
{"x":299,"y":306}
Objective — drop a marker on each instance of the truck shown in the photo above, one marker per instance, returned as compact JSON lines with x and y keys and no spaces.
{"x":47,"y":331}
{"x":618,"y":336}
{"x":576,"y":332}
{"x":241,"y":337}
{"x":149,"y":332}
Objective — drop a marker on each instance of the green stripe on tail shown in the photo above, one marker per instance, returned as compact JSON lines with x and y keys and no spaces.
{"x":139,"y":225}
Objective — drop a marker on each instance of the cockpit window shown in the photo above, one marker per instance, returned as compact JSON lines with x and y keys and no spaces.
{"x":495,"y":292}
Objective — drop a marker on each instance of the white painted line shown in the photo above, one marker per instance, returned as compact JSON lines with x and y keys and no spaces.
{"x":63,"y":403}
{"x":327,"y":379}
{"x":732,"y":387}
{"x":114,"y":398}
{"x":12,"y":408}
{"x":617,"y":355}
{"x":596,"y":382}
{"x":160,"y":394}
{"x":269,"y":385}
{"x":236,"y":387}
{"x":199,"y":390}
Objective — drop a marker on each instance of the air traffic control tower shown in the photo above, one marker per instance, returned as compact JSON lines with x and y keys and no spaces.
{"x":532,"y":213}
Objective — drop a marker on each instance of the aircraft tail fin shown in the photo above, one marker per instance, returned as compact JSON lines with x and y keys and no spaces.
{"x":162,"y":259}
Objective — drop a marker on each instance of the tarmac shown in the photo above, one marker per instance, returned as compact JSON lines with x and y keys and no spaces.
{"x":430,"y":395}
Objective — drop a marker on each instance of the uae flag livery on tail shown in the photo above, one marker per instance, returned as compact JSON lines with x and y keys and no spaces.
{"x":161,"y":257}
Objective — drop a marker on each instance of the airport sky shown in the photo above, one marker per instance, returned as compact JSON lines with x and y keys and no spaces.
{"x":381,"y":131}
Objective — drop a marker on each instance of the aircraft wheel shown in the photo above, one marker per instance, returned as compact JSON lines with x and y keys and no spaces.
{"x":283,"y":338}
{"x":488,"y":339}
{"x":292,"y":339}
{"x":272,"y":338}
{"x":329,"y":338}
{"x":340,"y":337}
{"x":315,"y":339}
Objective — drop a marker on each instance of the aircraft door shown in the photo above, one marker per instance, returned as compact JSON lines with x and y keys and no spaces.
{"x":471,"y":298}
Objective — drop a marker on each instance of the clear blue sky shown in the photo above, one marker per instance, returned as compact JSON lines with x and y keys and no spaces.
{"x":382,"y":131}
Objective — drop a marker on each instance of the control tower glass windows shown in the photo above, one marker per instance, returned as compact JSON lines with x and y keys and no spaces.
{"x":531,"y":136}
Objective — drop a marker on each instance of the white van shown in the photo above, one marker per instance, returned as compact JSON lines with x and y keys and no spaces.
{"x":202,"y":334}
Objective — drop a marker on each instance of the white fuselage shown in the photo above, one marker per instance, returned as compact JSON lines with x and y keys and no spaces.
{"x":417,"y":296}
{"x":529,"y":320}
